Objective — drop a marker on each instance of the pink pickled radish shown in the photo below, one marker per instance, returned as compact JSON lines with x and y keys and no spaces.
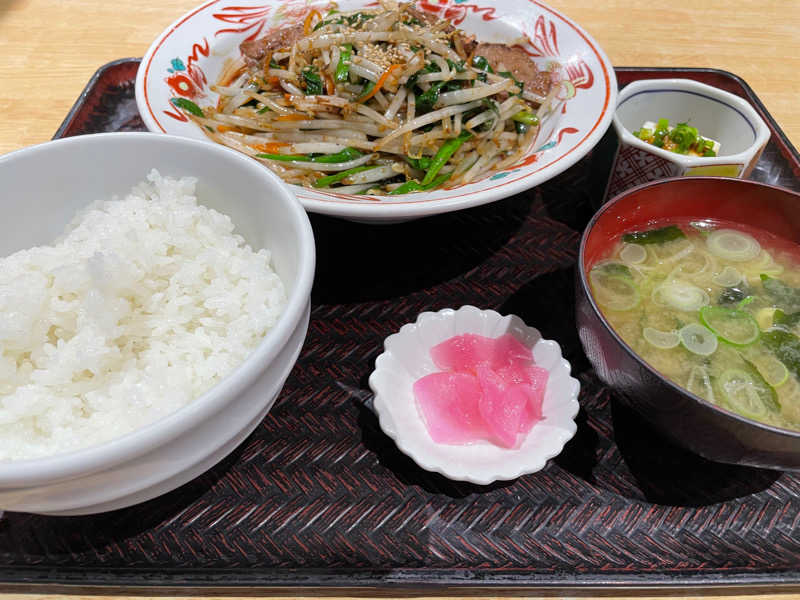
{"x":501,"y":406}
{"x":449,"y":404}
{"x":469,"y":351}
{"x":537,"y":384}
{"x":489,"y":389}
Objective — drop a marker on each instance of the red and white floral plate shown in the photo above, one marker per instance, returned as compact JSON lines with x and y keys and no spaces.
{"x":189,"y":55}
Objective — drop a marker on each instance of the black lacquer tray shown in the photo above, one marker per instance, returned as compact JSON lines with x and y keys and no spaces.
{"x":318,"y":496}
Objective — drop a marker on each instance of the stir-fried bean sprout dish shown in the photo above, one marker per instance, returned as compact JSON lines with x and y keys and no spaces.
{"x":380,"y":101}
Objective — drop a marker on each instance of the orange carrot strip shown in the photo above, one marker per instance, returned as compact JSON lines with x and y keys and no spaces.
{"x":329,"y":87}
{"x":292,"y":117}
{"x":271,"y":147}
{"x":308,"y":21}
{"x":381,"y":80}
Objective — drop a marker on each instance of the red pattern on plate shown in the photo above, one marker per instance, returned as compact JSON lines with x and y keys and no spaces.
{"x":190,"y":82}
{"x":579,"y":74}
{"x":244,"y":18}
{"x":454,"y":12}
{"x":544,"y":39}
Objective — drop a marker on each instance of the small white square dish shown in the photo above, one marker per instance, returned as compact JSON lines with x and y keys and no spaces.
{"x":716,"y":114}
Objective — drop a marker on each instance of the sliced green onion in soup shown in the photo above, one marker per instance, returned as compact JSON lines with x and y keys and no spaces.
{"x":745,"y":384}
{"x":764,"y":259}
{"x":740,"y":394}
{"x":785,"y":346}
{"x":733,"y":245}
{"x":673,"y":252}
{"x":767,"y":393}
{"x":728,"y":277}
{"x":770,"y":368}
{"x":766,"y":265}
{"x":680,"y":295}
{"x":737,"y":327}
{"x":698,"y":339}
{"x":633,"y":254}
{"x":699,"y":383}
{"x":694,"y":264}
{"x":764,"y":317}
{"x":613,"y":286}
{"x":663,"y":340}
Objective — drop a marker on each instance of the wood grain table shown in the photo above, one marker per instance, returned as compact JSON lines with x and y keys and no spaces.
{"x":50,"y":48}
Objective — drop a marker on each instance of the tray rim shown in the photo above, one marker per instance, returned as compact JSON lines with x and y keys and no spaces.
{"x":80,"y":101}
{"x":126,"y":580}
{"x":412,"y":579}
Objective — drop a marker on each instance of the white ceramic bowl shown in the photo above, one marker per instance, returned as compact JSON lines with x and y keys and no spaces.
{"x":44,"y":186}
{"x":190,"y":53}
{"x":406,"y":358}
{"x":717,"y":114}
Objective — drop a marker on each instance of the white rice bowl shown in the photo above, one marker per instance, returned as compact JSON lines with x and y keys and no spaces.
{"x":143,"y":305}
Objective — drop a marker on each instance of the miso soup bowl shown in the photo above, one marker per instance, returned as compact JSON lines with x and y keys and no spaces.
{"x":717,"y":114}
{"x":161,"y":456}
{"x":706,"y":429}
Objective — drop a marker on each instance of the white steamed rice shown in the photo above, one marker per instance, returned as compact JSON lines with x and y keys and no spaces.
{"x":144,"y":304}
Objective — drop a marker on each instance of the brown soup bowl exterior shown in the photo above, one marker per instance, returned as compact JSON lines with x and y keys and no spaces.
{"x":708,"y":430}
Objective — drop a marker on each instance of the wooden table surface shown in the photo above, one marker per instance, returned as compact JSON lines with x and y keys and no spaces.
{"x":50,"y":48}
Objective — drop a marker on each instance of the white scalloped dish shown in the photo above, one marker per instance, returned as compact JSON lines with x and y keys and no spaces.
{"x":407,"y":357}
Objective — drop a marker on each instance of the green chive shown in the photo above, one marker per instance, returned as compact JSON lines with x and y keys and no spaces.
{"x":443,"y":155}
{"x":341,"y":156}
{"x":287,"y":157}
{"x":426,"y":100}
{"x":459,"y":66}
{"x":366,"y":89}
{"x":683,"y":136}
{"x":482,"y":64}
{"x":526,"y":117}
{"x":662,"y":130}
{"x":343,"y":68}
{"x":313,"y":81}
{"x":414,"y":186}
{"x":329,"y":179}
{"x":423,"y":163}
{"x":520,"y":85}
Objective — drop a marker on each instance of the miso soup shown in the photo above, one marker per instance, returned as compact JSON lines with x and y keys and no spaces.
{"x":713,"y":306}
